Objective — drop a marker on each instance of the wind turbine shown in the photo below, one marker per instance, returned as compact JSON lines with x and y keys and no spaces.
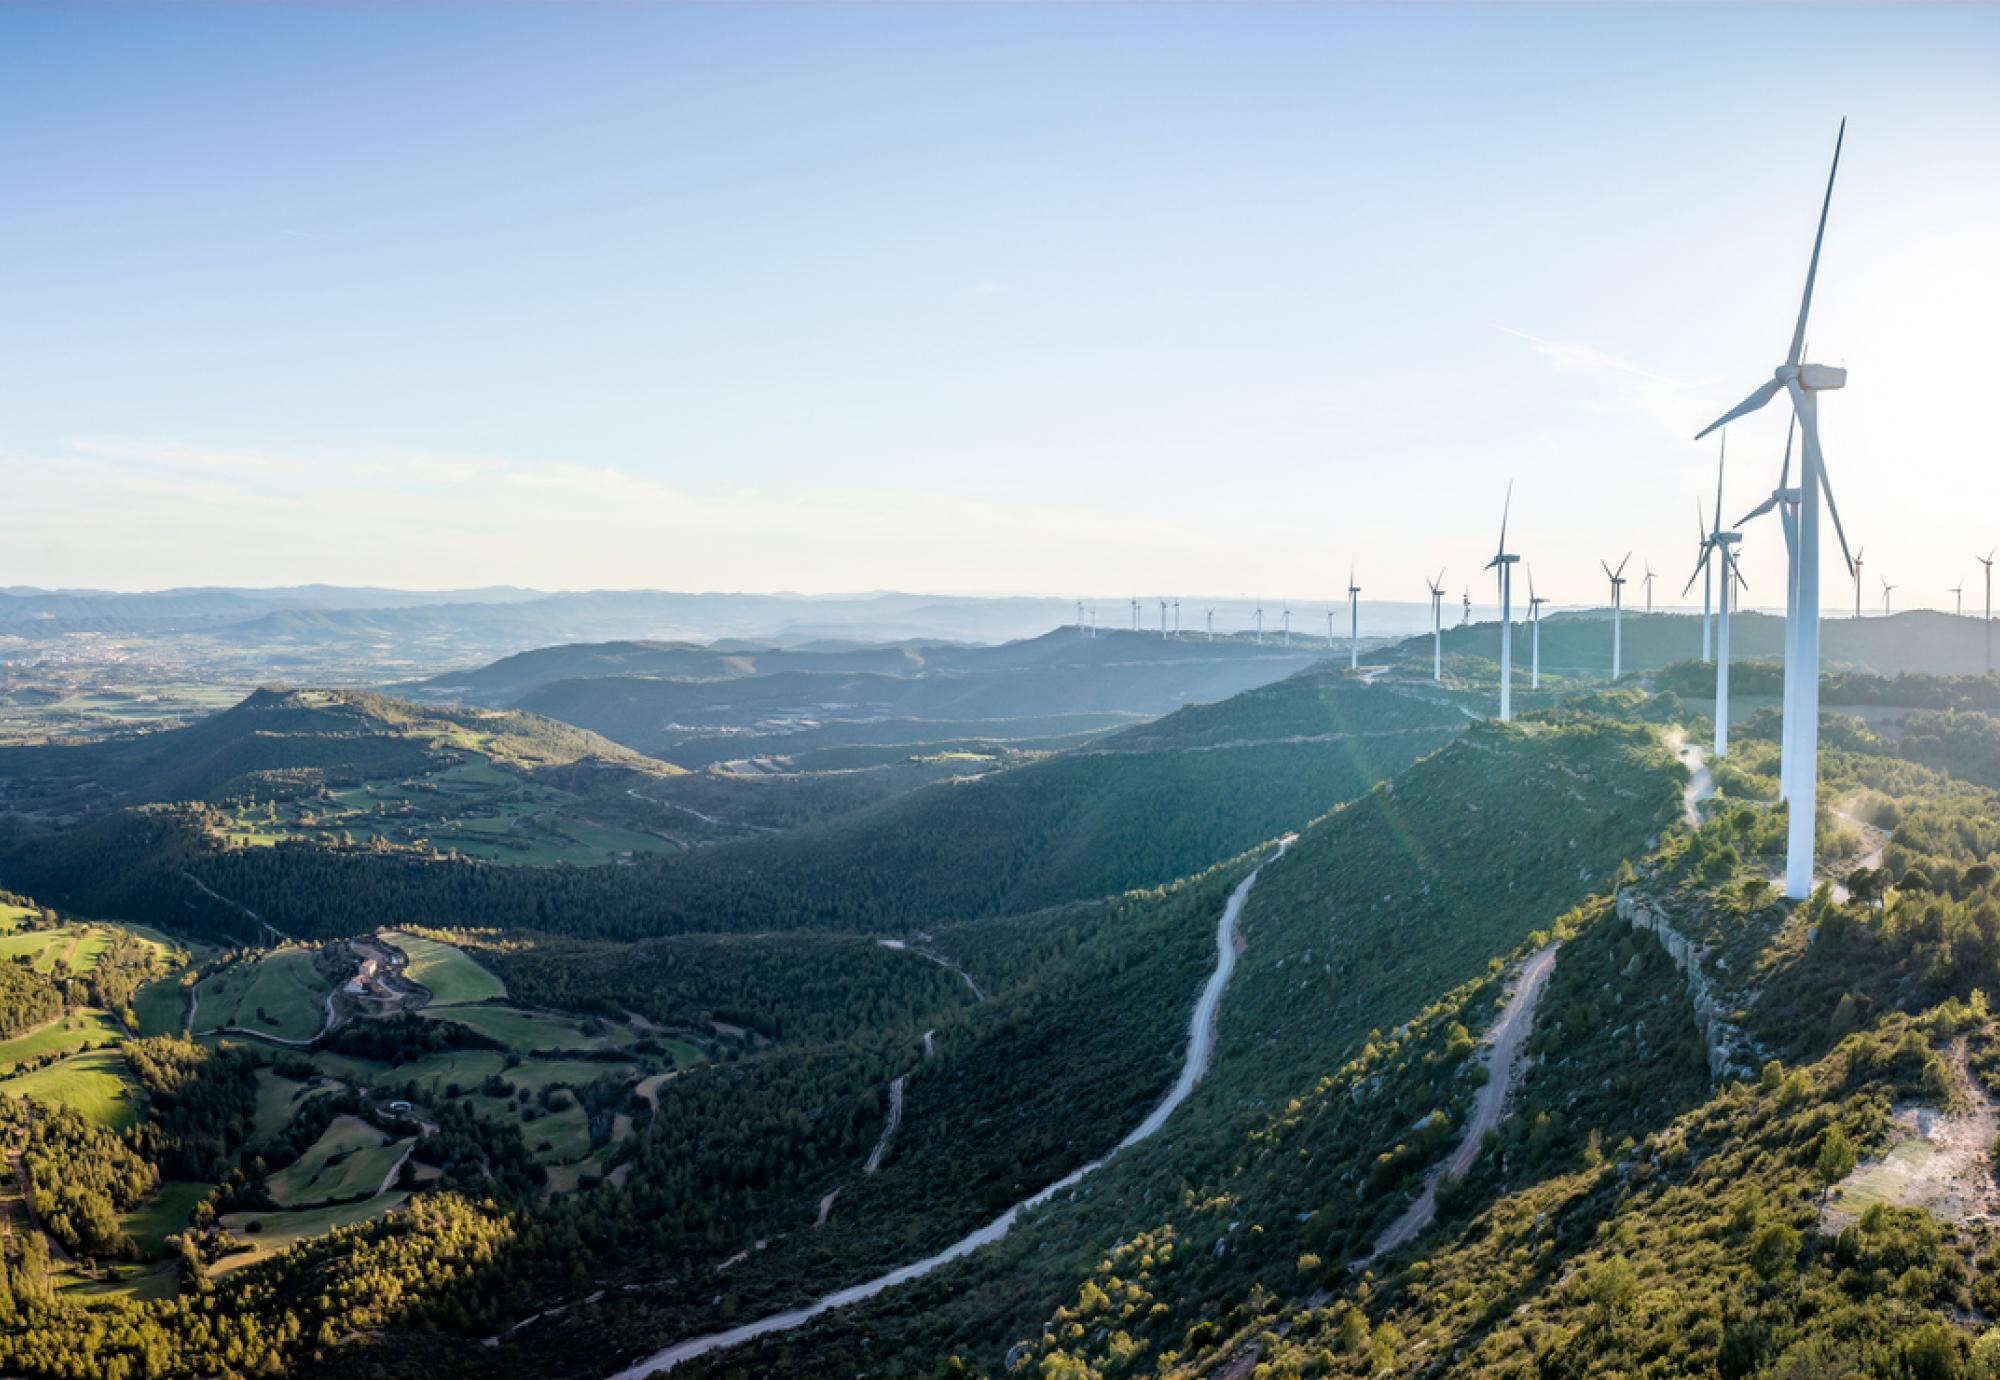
{"x":1617,"y":578}
{"x":1353,"y":621}
{"x":1437,"y":627}
{"x":1987,"y":561}
{"x":1177,"y":618}
{"x":1329,"y":630}
{"x":1804,"y":382}
{"x":1163,"y":618}
{"x":1786,"y":500}
{"x":1081,"y":630}
{"x":1535,"y":602}
{"x":1288,"y":624}
{"x":1647,"y":580}
{"x":1503,"y":562}
{"x":1958,"y":599}
{"x":1135,"y":615}
{"x":1887,"y":590}
{"x":1723,"y":541}
{"x":1211,"y":625}
{"x":1093,"y":620}
{"x":1260,"y":622}
{"x":1854,"y":563}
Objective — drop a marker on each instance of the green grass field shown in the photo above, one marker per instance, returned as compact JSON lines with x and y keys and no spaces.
{"x":162,"y":1215}
{"x":278,"y":1101}
{"x":450,"y":975}
{"x":161,"y":1007}
{"x":351,"y":1158}
{"x":79,"y":1028}
{"x":282,"y":995}
{"x":277,"y":1230}
{"x":11,"y":917}
{"x":96,"y":1084}
{"x":523,"y":1031}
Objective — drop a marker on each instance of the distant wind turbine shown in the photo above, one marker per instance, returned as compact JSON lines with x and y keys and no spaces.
{"x":1288,"y":624}
{"x":1723,"y":541}
{"x":1958,"y":599}
{"x":1177,"y":618}
{"x":1211,"y":625}
{"x":1163,"y":618}
{"x":1804,"y":382}
{"x":1887,"y":590}
{"x":1353,"y":621}
{"x":1987,"y":561}
{"x":1647,"y":580}
{"x":1535,"y":602}
{"x":1135,"y":615}
{"x":1260,"y":622}
{"x":1329,"y":630}
{"x":1854,"y":563}
{"x":1437,"y":627}
{"x":1617,"y":578}
{"x":1080,"y":628}
{"x":1503,"y":562}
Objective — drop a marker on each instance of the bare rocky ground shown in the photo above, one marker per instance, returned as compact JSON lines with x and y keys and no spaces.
{"x":1938,"y":1160}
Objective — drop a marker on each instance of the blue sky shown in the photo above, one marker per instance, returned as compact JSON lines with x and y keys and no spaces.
{"x":1040,"y":298}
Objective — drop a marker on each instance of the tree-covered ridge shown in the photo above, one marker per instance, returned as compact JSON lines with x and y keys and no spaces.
{"x":1073,"y":826}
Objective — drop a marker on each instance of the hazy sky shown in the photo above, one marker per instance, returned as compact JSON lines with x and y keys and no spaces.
{"x":1025,"y":298}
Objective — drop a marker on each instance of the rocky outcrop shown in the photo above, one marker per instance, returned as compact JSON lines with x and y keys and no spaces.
{"x":1731,"y":1051}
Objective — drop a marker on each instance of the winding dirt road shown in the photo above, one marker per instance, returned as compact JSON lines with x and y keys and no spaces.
{"x":1502,"y":1057}
{"x":1201,"y":1045}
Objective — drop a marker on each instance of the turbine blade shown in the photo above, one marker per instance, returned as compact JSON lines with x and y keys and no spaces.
{"x":1762,"y":508}
{"x":1720,"y":460}
{"x":1506,"y":508}
{"x":1765,"y":392}
{"x":1816,"y":460}
{"x":1819,"y":237}
{"x":1785,"y":474}
{"x":1691,"y":579}
{"x":1622,"y":564}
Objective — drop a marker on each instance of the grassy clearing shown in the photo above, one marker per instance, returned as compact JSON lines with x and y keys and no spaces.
{"x":278,"y":1101}
{"x":450,"y":975}
{"x":162,"y":1215}
{"x":281,"y":994}
{"x":74,"y":1031}
{"x":95,"y":1084}
{"x":350,"y":1159}
{"x":161,"y":1007}
{"x":271,"y":1232}
{"x":524,"y":1031}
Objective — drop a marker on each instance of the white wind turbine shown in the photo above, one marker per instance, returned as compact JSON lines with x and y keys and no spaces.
{"x":1503,"y":562}
{"x":1082,"y":631}
{"x":1329,"y":630}
{"x":1211,"y":625}
{"x":1163,"y":618}
{"x":1288,"y":625}
{"x":1987,"y":561}
{"x":1804,"y":382}
{"x":1260,"y":622}
{"x":1723,"y":541}
{"x":1887,"y":590}
{"x":1177,"y":618}
{"x":1958,"y":599}
{"x":1437,"y":627}
{"x":1854,"y":564}
{"x":1535,"y":602}
{"x":1647,"y":580}
{"x":1786,"y":500}
{"x":1617,"y":578}
{"x":1135,"y":615}
{"x":1353,"y":621}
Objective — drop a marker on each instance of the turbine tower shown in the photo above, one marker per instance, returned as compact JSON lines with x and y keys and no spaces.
{"x":1177,"y":618}
{"x":1958,"y":599}
{"x":1211,"y":625}
{"x":1288,"y":624}
{"x":1163,"y":618}
{"x":1353,"y":621}
{"x":1854,"y":564}
{"x":1535,"y":602}
{"x":1987,"y":561}
{"x":1260,"y":622}
{"x":1887,"y":590}
{"x":1617,"y":578}
{"x":1135,"y":615}
{"x":1723,"y":541}
{"x":1786,"y":500}
{"x":1647,"y":580}
{"x":1804,"y":383}
{"x":1437,"y":627}
{"x":1082,"y":631}
{"x":1329,"y":630}
{"x":1503,"y":562}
